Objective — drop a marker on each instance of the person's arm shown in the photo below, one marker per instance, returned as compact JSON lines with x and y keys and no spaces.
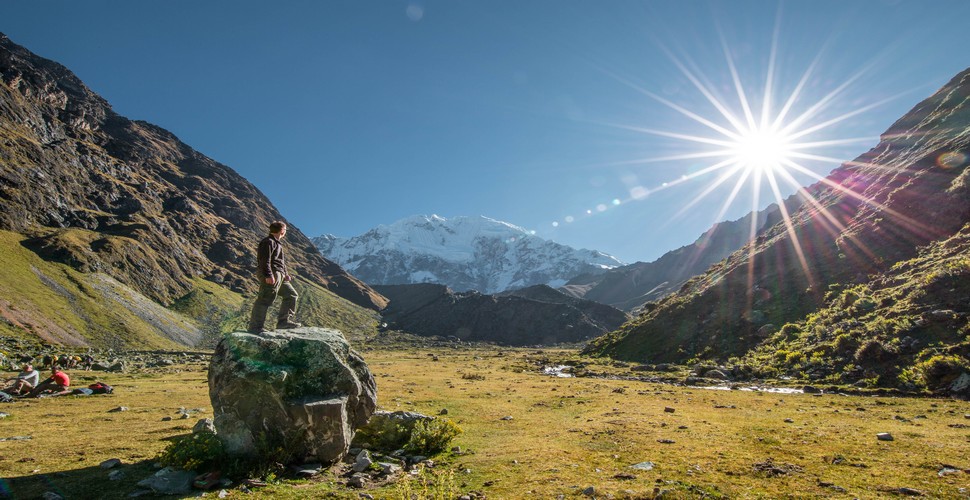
{"x":263,"y":261}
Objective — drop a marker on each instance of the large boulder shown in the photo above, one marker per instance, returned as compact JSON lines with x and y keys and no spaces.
{"x":289,"y":396}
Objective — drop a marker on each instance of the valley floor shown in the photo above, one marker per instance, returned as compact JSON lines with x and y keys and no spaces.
{"x":527,"y":435}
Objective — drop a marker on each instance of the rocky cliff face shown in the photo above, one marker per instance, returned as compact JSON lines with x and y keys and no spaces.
{"x":463,"y":253}
{"x":538,"y":315}
{"x":868,"y":215}
{"x":102,"y":193}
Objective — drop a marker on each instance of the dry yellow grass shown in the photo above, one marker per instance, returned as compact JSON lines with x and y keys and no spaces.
{"x":564,"y":435}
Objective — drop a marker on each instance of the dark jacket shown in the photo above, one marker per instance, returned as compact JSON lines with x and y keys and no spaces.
{"x":269,"y":258}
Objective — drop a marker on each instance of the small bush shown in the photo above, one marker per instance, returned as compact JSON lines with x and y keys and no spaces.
{"x":939,"y":371}
{"x":195,"y":452}
{"x":872,"y":352}
{"x":430,"y":437}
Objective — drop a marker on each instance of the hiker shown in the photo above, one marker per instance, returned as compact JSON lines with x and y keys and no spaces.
{"x":24,"y":382}
{"x":58,"y":384}
{"x":87,"y":361}
{"x":273,"y":281}
{"x":48,"y":362}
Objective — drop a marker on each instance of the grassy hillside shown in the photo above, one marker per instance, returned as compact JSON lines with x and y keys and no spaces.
{"x":906,"y":328}
{"x":52,"y":303}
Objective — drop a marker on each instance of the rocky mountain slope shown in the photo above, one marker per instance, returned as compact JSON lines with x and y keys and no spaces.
{"x":907,"y":195}
{"x":463,"y":253}
{"x":629,"y":287}
{"x":101,"y":194}
{"x":538,"y":315}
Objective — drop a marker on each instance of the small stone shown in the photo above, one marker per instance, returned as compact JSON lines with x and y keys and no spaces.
{"x":185,"y":416}
{"x":366,"y":496}
{"x":204,"y":425}
{"x":166,"y":419}
{"x":357,"y":480}
{"x":118,"y":409}
{"x":110,"y":464}
{"x":456,"y":449}
{"x":910,"y":492}
{"x":666,"y":441}
{"x":668,"y":409}
{"x":116,"y":475}
{"x":589,"y":491}
{"x":507,"y":417}
{"x":363,"y":461}
{"x":789,"y":421}
{"x":444,"y":411}
{"x":884,"y":436}
{"x":809,"y":389}
{"x":223,"y":493}
{"x":4,"y":415}
{"x":643,"y":466}
{"x":389,"y":469}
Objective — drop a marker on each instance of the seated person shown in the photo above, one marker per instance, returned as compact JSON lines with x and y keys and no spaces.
{"x":24,"y":382}
{"x":58,"y":384}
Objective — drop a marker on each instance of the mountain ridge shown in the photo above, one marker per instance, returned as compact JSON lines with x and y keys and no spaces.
{"x":464,"y":253}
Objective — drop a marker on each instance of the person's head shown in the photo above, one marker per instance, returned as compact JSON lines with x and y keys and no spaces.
{"x":28,"y":367}
{"x":55,"y":369}
{"x":277,"y":228}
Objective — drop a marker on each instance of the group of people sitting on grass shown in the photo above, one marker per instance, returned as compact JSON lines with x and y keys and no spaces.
{"x":27,"y":384}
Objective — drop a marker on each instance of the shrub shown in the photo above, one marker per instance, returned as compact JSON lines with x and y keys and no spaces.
{"x":195,"y":452}
{"x":430,"y":437}
{"x":423,"y":436}
{"x":873,"y":351}
{"x":939,"y":371}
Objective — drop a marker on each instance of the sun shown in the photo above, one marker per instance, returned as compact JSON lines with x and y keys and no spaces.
{"x":762,"y":150}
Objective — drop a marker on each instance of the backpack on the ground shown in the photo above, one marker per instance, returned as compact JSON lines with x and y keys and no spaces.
{"x":101,"y":388}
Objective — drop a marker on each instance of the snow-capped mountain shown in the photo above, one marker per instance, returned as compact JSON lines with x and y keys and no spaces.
{"x":464,"y":253}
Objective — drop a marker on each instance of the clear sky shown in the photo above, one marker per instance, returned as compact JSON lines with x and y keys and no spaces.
{"x":565,"y":117}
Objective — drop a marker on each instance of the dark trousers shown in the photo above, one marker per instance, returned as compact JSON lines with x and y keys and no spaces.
{"x":267,"y":294}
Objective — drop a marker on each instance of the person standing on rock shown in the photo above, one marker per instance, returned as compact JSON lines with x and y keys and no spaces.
{"x":273,"y":281}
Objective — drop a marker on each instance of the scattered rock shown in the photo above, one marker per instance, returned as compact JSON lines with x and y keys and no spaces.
{"x":358,"y":480}
{"x":624,"y":476}
{"x":184,"y":416}
{"x":116,"y":475}
{"x":307,"y":381}
{"x":307,"y":471}
{"x":204,"y":425}
{"x":389,"y":469}
{"x":884,"y":436}
{"x":809,"y":389}
{"x":507,"y":417}
{"x":4,"y":415}
{"x":363,"y":461}
{"x":669,"y":410}
{"x":789,"y":421}
{"x":666,"y":441}
{"x":643,"y":466}
{"x":770,"y":468}
{"x":118,"y":409}
{"x":170,"y":481}
{"x":910,"y":492}
{"x":166,"y":419}
{"x":589,"y":491}
{"x":17,"y":438}
{"x":111,"y":463}
{"x":444,"y":411}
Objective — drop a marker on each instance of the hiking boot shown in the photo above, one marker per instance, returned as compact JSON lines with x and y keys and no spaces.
{"x":288,"y":325}
{"x":257,"y":331}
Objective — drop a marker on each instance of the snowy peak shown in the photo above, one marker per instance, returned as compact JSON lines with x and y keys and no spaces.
{"x":464,"y":253}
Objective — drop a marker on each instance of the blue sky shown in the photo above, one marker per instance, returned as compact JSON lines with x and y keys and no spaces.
{"x":552,"y":115}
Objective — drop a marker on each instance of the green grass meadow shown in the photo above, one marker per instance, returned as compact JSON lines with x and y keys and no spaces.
{"x":564,"y":436}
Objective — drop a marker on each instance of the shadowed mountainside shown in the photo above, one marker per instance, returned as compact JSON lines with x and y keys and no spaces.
{"x":868,"y":215}
{"x":537,"y":315}
{"x":103,"y":194}
{"x":630,"y":287}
